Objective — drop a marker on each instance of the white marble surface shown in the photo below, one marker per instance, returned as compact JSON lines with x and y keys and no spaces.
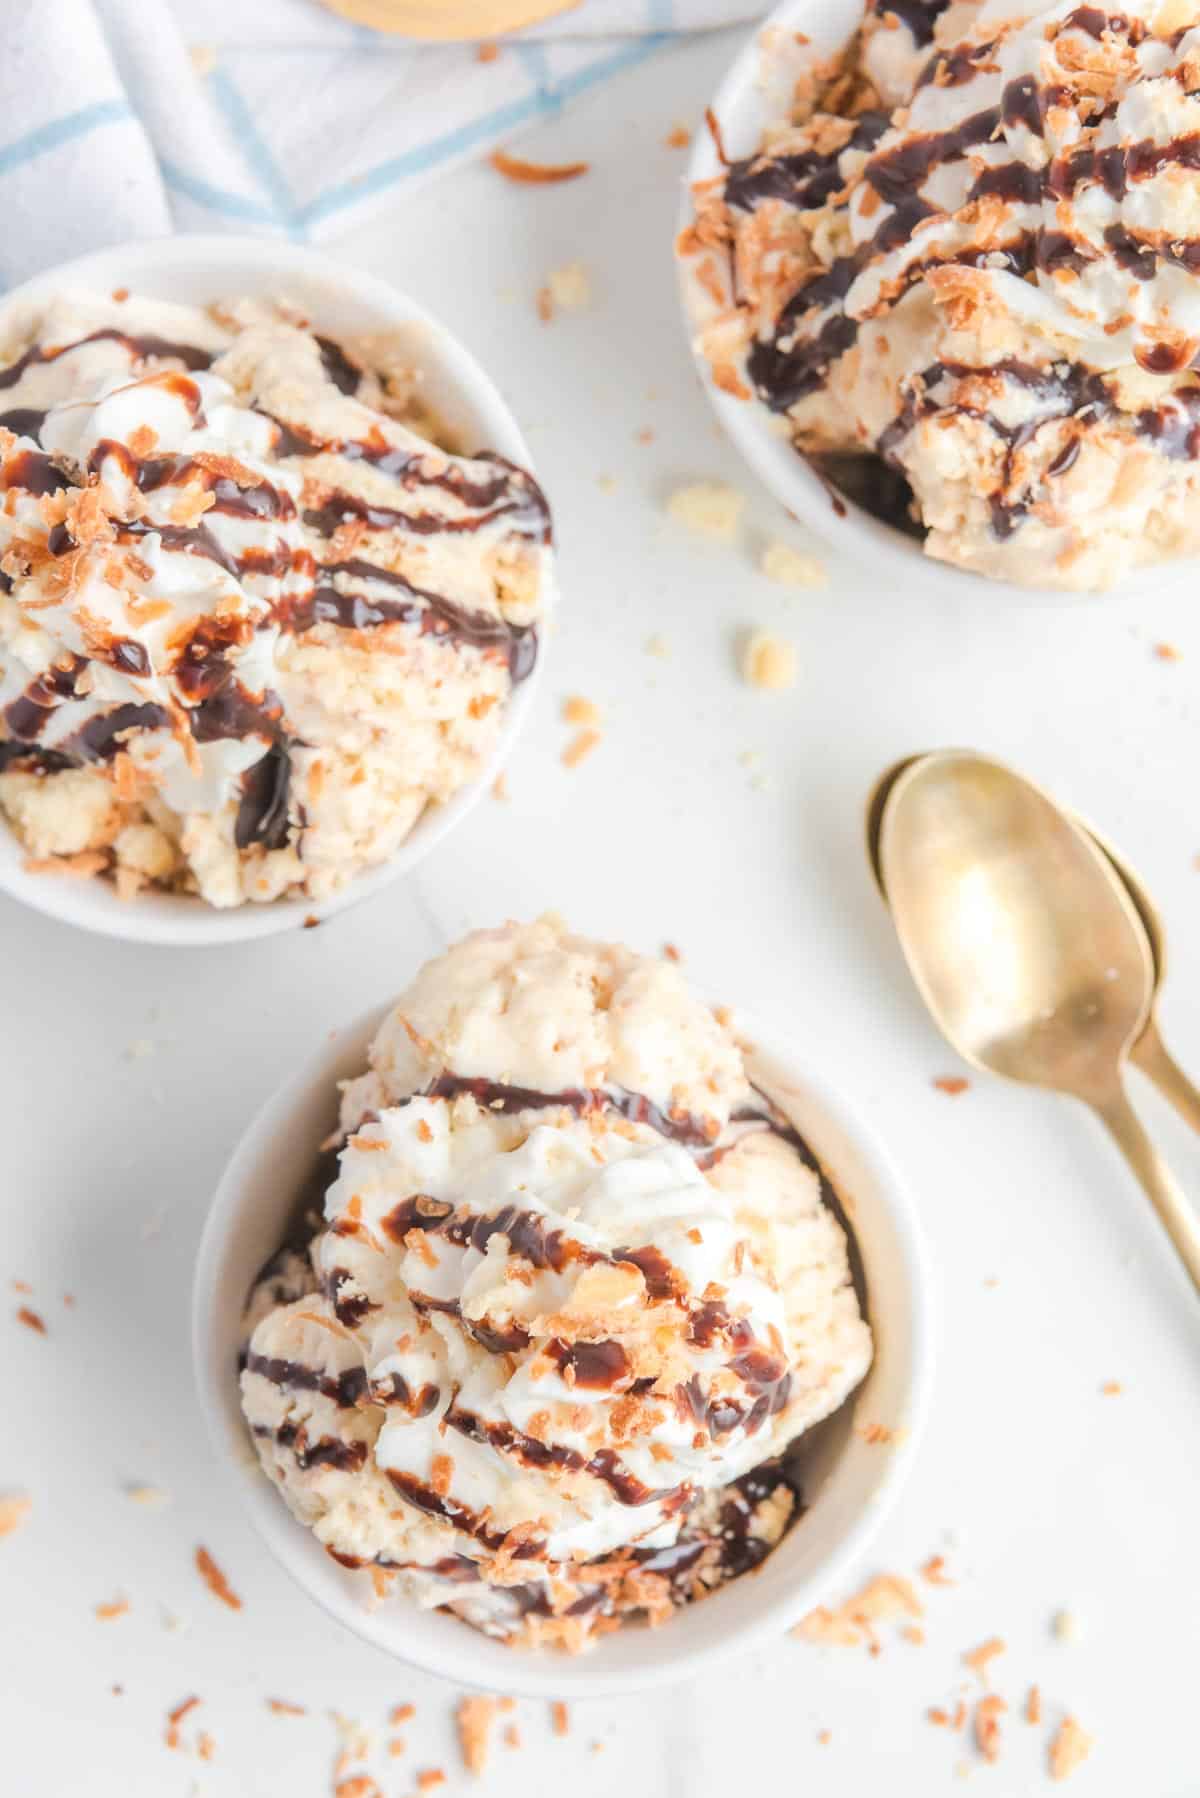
{"x":127,"y":1074}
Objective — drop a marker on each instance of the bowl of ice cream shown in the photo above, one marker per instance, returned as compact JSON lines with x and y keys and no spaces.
{"x":274,"y":578}
{"x":560,"y":1332}
{"x":940,"y":275}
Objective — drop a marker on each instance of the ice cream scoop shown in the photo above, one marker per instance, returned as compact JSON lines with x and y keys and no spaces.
{"x":253,"y":623}
{"x":577,"y":1289}
{"x":965,"y":249}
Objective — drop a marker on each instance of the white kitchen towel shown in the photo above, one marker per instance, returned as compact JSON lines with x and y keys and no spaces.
{"x":130,"y":118}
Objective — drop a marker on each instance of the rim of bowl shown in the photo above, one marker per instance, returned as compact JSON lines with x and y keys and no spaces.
{"x":184,"y":919}
{"x":460,"y":1653}
{"x":740,"y":109}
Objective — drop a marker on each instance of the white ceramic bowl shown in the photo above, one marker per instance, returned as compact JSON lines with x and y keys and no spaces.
{"x":743,"y":105}
{"x":850,"y":1484}
{"x":339,"y":298}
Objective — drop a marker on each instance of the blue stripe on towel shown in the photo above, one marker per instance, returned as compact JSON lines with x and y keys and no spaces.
{"x":63,"y":131}
{"x":517,"y":112}
{"x":241,"y":121}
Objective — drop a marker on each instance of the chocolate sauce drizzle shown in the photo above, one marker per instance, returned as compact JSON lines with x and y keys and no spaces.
{"x":328,"y":1451}
{"x":793,"y":362}
{"x":347,"y":1389}
{"x":140,"y":348}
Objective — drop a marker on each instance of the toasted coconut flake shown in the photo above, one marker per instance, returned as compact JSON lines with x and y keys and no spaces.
{"x":769,"y":662}
{"x":979,"y":1658}
{"x":1069,"y":1749}
{"x":580,"y":747}
{"x":430,"y":1777}
{"x":951,"y":1084}
{"x":1033,"y":1706}
{"x":577,"y":710}
{"x":175,"y":1718}
{"x":475,"y":1717}
{"x":15,"y":1510}
{"x":934,"y":1571}
{"x":215,"y":1580}
{"x":283,"y":1708}
{"x":560,"y":1718}
{"x":537,"y":174}
{"x":852,"y":1624}
{"x":111,"y":1609}
{"x":31,"y":1320}
{"x":987,"y":1726}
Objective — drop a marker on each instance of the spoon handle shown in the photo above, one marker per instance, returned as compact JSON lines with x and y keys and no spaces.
{"x":1155,"y":1060}
{"x":1181,"y":1223}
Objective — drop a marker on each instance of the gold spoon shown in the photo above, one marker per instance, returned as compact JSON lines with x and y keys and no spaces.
{"x":1149,"y":1053}
{"x":1027,"y":949}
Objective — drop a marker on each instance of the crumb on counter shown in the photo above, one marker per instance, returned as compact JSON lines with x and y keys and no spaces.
{"x":283,"y":1708}
{"x":1066,"y":1627}
{"x":1111,"y":1389}
{"x":536,"y":174}
{"x":790,"y":568}
{"x":979,"y":1659}
{"x":175,"y":1718}
{"x":580,"y":747}
{"x":988,"y":1713}
{"x":487,"y":52}
{"x":111,"y":1609}
{"x":708,"y":508}
{"x":560,"y":1718}
{"x":1167,"y":652}
{"x":570,"y":287}
{"x":428,"y":1778}
{"x":215,"y":1580}
{"x":852,"y":1624}
{"x":474,"y":1718}
{"x":934,"y":1570}
{"x":657,"y":645}
{"x":15,"y":1509}
{"x":1069,"y":1749}
{"x":577,"y":710}
{"x":769,"y":662}
{"x":677,"y":138}
{"x":150,"y":1496}
{"x":32,"y":1320}
{"x":500,"y":788}
{"x":952,"y":1084}
{"x":1033,"y":1706}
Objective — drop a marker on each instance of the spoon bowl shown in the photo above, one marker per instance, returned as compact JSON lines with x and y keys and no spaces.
{"x":1031,"y":958}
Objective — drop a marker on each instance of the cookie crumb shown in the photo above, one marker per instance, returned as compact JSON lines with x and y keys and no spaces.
{"x":111,"y":1609}
{"x":677,"y":138}
{"x":708,"y":508}
{"x":430,"y":1777}
{"x":769,"y":662}
{"x":31,"y":1320}
{"x":1167,"y":652}
{"x":790,"y":568}
{"x":282,"y":1708}
{"x":951,"y":1084}
{"x":824,"y":1737}
{"x":500,"y":788}
{"x":1111,"y":1389}
{"x":1066,"y":1626}
{"x":560,"y":1718}
{"x":1033,"y":1706}
{"x":150,"y":1496}
{"x":934,"y":1570}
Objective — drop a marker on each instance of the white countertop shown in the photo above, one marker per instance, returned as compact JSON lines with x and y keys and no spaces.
{"x":128,"y":1073}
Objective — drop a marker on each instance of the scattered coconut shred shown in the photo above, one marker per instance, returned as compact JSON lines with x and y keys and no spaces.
{"x":708,"y":508}
{"x":890,"y":1598}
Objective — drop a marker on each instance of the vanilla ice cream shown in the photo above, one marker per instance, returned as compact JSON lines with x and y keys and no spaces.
{"x":252,"y":623}
{"x":970,"y":247}
{"x":577,"y":1289}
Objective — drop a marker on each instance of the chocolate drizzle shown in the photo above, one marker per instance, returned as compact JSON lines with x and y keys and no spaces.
{"x":140,"y":348}
{"x":327,"y":1451}
{"x":347,"y":1389}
